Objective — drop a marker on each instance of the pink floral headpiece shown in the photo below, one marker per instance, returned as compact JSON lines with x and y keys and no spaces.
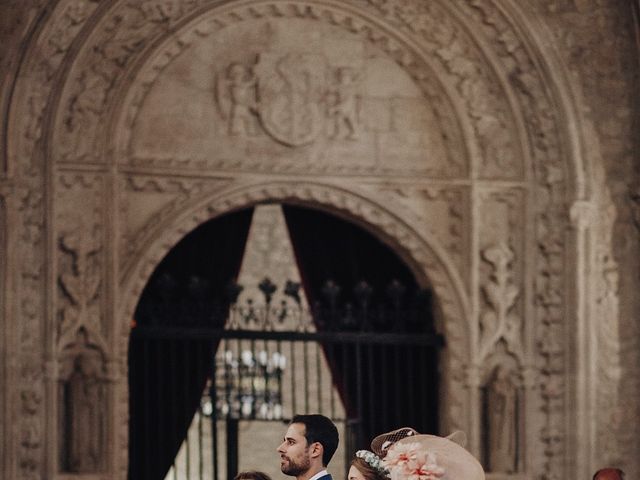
{"x":428,"y":457}
{"x":409,"y":461}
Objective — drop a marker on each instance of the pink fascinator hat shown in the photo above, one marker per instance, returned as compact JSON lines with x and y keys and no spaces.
{"x":416,"y":456}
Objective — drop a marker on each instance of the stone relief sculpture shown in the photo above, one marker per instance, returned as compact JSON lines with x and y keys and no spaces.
{"x":292,"y":96}
{"x":501,"y":422}
{"x":82,"y":401}
{"x":342,"y":105}
{"x":239,"y":87}
{"x":80,"y":281}
{"x":499,"y":321}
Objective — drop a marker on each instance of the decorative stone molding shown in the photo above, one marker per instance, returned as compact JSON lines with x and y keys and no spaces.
{"x":28,"y":333}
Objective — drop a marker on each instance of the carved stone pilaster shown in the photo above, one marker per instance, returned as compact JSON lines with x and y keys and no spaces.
{"x":81,"y":264}
{"x":80,"y":390}
{"x":606,"y":326}
{"x":501,"y":269}
{"x":28,"y":333}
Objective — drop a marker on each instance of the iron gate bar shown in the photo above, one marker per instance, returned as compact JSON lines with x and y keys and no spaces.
{"x":382,"y":338}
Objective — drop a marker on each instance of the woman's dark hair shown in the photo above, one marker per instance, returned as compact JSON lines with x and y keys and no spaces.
{"x":367,"y":471}
{"x":252,"y":475}
{"x":318,"y":428}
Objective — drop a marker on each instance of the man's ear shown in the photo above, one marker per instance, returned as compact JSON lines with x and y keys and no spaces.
{"x":316,"y":450}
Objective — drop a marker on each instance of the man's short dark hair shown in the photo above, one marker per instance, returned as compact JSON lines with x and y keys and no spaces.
{"x":318,"y":428}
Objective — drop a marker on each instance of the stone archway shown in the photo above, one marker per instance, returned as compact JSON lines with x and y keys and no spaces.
{"x":503,"y":137}
{"x":429,"y":261}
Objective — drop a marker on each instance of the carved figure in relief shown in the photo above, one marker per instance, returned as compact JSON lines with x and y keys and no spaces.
{"x":83,"y":405}
{"x":242,"y":94}
{"x":342,"y":105}
{"x":501,"y":423}
{"x":80,"y":281}
{"x":283,"y":92}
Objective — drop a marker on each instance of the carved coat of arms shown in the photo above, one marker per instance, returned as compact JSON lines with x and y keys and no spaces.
{"x":289,"y":96}
{"x":291,"y":91}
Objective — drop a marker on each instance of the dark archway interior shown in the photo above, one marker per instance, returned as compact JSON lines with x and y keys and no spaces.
{"x":383,"y":387}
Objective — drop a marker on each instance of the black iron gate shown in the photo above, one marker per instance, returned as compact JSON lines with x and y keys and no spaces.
{"x":371,"y":367}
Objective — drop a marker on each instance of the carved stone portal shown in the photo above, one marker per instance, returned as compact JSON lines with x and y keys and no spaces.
{"x":365,"y":96}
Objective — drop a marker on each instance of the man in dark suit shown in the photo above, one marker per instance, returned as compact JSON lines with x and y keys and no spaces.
{"x":309,"y":444}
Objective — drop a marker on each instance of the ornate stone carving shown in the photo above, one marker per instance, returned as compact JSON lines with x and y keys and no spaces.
{"x":542,"y":130}
{"x":489,"y":113}
{"x":499,"y":322}
{"x":83,"y":407}
{"x":342,"y":104}
{"x":30,"y":431}
{"x":128,"y":30}
{"x":28,"y":332}
{"x":599,"y":63}
{"x":606,"y":329}
{"x":412,"y":134}
{"x":288,"y":93}
{"x":514,"y":58}
{"x":238,"y":98}
{"x":291,"y":89}
{"x":80,"y":277}
{"x":80,"y":282}
{"x":503,"y":414}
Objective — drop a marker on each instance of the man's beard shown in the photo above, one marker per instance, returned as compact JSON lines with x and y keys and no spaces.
{"x":294,"y":469}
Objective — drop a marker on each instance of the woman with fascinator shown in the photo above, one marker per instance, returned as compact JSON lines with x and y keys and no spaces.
{"x":405,"y":454}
